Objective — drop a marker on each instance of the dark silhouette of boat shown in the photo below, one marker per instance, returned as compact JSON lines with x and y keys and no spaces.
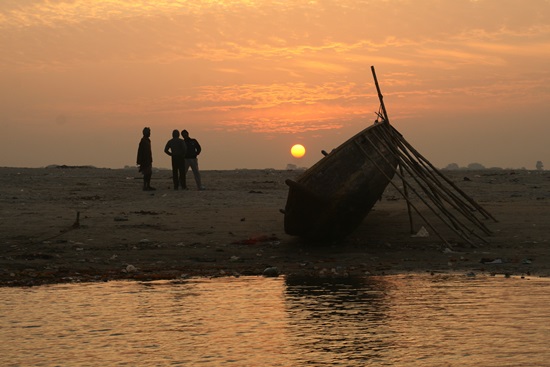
{"x":330,"y":199}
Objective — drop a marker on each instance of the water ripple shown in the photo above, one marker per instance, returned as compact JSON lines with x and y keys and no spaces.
{"x":406,"y":320}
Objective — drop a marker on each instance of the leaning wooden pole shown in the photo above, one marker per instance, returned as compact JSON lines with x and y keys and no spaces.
{"x":453,"y":221}
{"x":406,"y":191}
{"x":435,"y":191}
{"x":436,"y":187}
{"x":462,"y":193}
{"x":403,"y":194}
{"x":380,"y":96}
{"x":385,"y":116}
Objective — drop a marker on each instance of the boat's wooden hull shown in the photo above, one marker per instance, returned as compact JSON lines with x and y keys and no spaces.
{"x":330,"y":199}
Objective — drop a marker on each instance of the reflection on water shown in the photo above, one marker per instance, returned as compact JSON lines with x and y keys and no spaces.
{"x":407,"y":320}
{"x":338,"y":320}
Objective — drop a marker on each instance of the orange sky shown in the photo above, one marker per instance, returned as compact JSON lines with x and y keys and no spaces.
{"x":464,"y":80}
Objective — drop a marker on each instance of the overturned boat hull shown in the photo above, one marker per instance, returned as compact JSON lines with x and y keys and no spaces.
{"x":330,"y":199}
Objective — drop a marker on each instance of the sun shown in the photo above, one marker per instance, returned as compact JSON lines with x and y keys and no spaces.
{"x":298,"y":150}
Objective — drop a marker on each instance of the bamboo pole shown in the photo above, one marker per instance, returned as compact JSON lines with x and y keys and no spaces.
{"x":461,"y":234}
{"x":461,"y":206}
{"x":380,"y":96}
{"x":437,"y":192}
{"x":385,"y":117}
{"x":402,"y":194}
{"x":433,"y":196}
{"x":464,"y":195}
{"x":406,"y":192}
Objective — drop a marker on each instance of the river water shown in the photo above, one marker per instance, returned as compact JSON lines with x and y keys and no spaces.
{"x":401,"y":320}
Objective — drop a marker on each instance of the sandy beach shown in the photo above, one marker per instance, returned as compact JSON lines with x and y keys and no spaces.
{"x":77,"y":224}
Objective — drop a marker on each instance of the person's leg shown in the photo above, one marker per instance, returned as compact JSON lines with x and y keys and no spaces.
{"x":175,"y":173}
{"x":147,"y":179}
{"x":185,"y":169}
{"x":196,"y":173}
{"x":180,"y":174}
{"x":181,"y":177}
{"x":148,"y":173}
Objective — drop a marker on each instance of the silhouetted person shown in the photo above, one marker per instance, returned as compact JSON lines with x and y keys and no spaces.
{"x":145,"y":159}
{"x":176,"y":148}
{"x":193,"y":150}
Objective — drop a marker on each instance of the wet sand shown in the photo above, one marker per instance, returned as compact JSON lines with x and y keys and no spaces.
{"x":77,"y":224}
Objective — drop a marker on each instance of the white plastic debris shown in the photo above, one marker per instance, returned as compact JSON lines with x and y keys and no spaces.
{"x":422,"y":232}
{"x":131,"y":269}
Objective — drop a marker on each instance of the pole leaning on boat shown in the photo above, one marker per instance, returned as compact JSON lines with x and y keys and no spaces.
{"x":380,"y":96}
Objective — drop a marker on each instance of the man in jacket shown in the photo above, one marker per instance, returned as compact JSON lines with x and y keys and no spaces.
{"x":176,"y":148}
{"x":191,"y":160}
{"x":145,"y":159}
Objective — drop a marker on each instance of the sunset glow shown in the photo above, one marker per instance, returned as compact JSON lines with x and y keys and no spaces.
{"x":463,"y":80}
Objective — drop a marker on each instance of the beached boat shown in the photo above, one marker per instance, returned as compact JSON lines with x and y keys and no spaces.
{"x":330,"y":199}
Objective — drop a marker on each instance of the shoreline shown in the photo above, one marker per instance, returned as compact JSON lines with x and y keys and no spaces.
{"x":234,"y":228}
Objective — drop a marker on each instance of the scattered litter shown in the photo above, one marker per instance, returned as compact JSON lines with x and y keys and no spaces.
{"x":146,"y":212}
{"x":491,"y":261}
{"x":271,"y":272}
{"x":422,"y":232}
{"x":130,"y":269}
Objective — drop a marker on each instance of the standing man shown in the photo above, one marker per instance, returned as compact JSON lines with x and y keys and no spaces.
{"x":193,"y":150}
{"x":176,"y":148}
{"x":145,"y":159}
